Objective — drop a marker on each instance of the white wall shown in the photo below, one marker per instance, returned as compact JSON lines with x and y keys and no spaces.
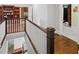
{"x":16,"y":38}
{"x":4,"y":49}
{"x":30,"y":13}
{"x":2,"y":31}
{"x":40,"y":14}
{"x":19,"y":42}
{"x":47,"y":15}
{"x":53,"y":16}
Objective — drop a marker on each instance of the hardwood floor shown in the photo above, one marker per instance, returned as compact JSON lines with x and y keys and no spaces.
{"x":64,"y":45}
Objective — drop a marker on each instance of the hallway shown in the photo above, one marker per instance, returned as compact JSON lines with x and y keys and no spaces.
{"x":39,"y":29}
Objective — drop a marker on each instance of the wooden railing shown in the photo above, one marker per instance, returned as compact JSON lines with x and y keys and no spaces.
{"x":42,"y":29}
{"x":42,"y":39}
{"x":15,"y":25}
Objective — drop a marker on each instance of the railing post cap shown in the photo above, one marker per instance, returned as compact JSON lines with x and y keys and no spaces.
{"x":50,"y":29}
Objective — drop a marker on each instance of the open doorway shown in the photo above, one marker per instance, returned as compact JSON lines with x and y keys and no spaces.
{"x":24,"y":12}
{"x":67,"y":15}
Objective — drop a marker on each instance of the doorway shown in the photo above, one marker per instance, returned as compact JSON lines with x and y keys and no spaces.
{"x":67,"y":15}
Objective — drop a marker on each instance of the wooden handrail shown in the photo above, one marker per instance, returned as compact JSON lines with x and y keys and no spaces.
{"x":50,"y":37}
{"x":42,"y":29}
{"x":31,"y":23}
{"x":14,"y":18}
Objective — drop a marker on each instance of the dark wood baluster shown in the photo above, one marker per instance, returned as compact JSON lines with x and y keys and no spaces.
{"x":14,"y":26}
{"x":23,"y":25}
{"x":10,"y":25}
{"x":7,"y":26}
{"x":19,"y":25}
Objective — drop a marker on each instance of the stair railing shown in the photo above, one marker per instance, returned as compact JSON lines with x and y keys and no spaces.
{"x":42,"y":39}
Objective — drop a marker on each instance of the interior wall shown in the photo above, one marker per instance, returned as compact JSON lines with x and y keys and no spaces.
{"x":20,"y":44}
{"x":47,"y":15}
{"x":30,"y":13}
{"x":40,"y":14}
{"x":53,"y":16}
{"x":4,"y":49}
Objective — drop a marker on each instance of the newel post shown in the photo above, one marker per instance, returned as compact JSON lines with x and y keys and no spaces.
{"x":50,"y":40}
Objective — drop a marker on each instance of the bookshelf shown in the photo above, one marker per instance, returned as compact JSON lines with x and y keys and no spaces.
{"x":7,"y":12}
